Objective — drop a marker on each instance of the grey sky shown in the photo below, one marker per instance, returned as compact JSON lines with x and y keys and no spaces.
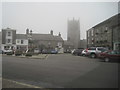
{"x":42,"y":17}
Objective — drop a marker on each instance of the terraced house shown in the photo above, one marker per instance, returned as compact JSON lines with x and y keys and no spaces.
{"x":105,"y":34}
{"x":45,"y":41}
{"x":29,"y":40}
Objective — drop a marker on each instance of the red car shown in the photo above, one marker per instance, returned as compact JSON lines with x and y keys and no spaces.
{"x":107,"y":56}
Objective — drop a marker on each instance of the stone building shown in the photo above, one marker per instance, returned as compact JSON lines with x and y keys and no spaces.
{"x":68,"y":46}
{"x":83,"y":43}
{"x":0,"y":40}
{"x":11,"y":40}
{"x":105,"y":34}
{"x":45,"y":41}
{"x":73,"y":32}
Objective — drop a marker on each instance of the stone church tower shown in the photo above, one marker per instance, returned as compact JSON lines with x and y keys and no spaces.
{"x":73,"y":32}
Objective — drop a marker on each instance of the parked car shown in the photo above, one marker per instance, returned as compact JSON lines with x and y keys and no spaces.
{"x":18,"y":52}
{"x":111,"y":55}
{"x":8,"y":51}
{"x":84,"y":52}
{"x":37,"y":51}
{"x":77,"y":52}
{"x":1,"y":51}
{"x":93,"y":52}
{"x":67,"y":51}
{"x":45,"y":51}
{"x":49,"y":51}
{"x":28,"y":53}
{"x":54,"y":52}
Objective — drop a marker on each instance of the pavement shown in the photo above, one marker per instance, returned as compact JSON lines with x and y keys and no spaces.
{"x":60,"y":71}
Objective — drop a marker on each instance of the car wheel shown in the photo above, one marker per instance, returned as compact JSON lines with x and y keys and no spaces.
{"x":83,"y":55}
{"x":93,"y":55}
{"x":107,"y":59}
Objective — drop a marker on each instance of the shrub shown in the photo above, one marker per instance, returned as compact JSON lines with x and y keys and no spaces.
{"x":28,"y":54}
{"x":9,"y":53}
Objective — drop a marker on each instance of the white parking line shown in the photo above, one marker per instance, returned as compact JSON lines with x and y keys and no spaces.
{"x":47,"y":56}
{"x":20,"y":83}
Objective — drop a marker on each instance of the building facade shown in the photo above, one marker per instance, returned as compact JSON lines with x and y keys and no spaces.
{"x":83,"y":43}
{"x":0,"y":40}
{"x":12,"y":41}
{"x":21,"y":42}
{"x":68,"y":46}
{"x":45,"y":41}
{"x":8,"y":39}
{"x":73,"y":32}
{"x":105,"y":34}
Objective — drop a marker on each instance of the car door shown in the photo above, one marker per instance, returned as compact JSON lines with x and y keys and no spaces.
{"x":113,"y":55}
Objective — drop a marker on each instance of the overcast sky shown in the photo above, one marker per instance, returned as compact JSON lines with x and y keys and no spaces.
{"x":42,"y":17}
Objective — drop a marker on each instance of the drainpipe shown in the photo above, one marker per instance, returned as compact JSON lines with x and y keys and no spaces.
{"x":112,"y":38}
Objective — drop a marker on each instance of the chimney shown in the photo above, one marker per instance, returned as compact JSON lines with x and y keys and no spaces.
{"x":59,"y":34}
{"x":51,"y":32}
{"x":30,"y":32}
{"x":27,"y":31}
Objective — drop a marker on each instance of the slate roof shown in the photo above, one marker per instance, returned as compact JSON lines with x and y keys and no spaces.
{"x":21,"y":36}
{"x":68,"y":43}
{"x":48,"y":37}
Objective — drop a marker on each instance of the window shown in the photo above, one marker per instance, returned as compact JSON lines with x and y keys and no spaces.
{"x":88,"y":41}
{"x":6,"y":47}
{"x":18,"y":41}
{"x":9,"y":33}
{"x":102,"y":49}
{"x":112,"y":52}
{"x":88,"y":33}
{"x":21,"y":41}
{"x":92,"y":32}
{"x":8,"y":40}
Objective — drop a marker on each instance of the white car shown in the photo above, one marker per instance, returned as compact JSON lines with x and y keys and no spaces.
{"x":84,"y":52}
{"x":7,"y":51}
{"x":93,"y":52}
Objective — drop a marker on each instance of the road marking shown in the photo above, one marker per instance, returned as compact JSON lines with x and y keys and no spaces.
{"x":20,"y":83}
{"x":47,"y":56}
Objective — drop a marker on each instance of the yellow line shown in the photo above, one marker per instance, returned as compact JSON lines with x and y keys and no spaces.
{"x":24,"y":84}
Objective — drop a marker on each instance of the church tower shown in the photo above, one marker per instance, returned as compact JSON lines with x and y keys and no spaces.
{"x":73,"y":32}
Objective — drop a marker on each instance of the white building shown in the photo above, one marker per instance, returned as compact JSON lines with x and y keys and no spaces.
{"x":11,"y":40}
{"x":21,"y":42}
